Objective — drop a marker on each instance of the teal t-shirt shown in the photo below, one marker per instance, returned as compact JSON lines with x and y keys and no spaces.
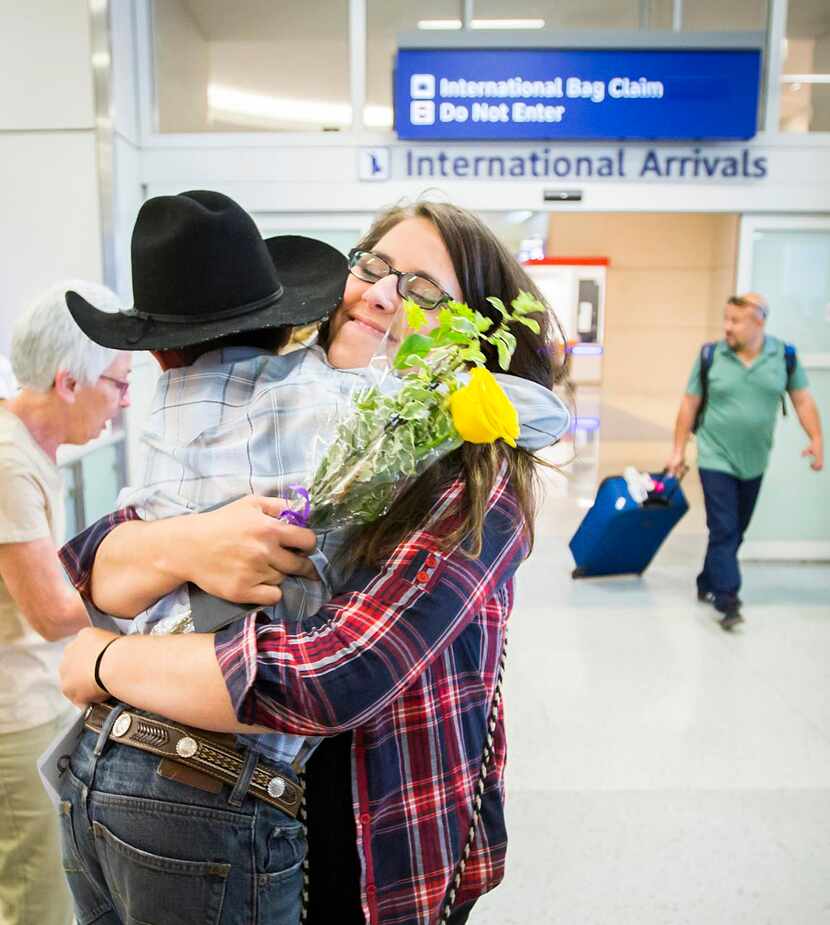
{"x":742,"y":407}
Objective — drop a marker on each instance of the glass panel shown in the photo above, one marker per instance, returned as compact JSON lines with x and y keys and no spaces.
{"x":805,"y":102}
{"x":568,"y":14}
{"x":792,"y":506}
{"x":805,"y":107}
{"x":735,"y":16}
{"x":70,"y":493}
{"x":792,"y":269}
{"x":103,"y":478}
{"x":385,"y":20}
{"x":707,"y":16}
{"x":253,"y":65}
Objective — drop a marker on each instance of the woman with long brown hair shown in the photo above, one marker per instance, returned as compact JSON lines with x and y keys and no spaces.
{"x":401,"y":668}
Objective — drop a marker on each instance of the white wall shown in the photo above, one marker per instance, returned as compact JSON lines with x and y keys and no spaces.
{"x":45,"y":77}
{"x":49,"y":211}
{"x":182,"y":56}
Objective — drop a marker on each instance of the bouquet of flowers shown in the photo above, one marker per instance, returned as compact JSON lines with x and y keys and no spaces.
{"x":445,"y":396}
{"x":441,"y":396}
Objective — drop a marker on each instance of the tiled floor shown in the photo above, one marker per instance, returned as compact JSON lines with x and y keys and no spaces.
{"x":661,"y":771}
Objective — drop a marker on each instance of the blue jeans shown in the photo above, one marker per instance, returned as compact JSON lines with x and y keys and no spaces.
{"x":729,"y":505}
{"x":141,"y":849}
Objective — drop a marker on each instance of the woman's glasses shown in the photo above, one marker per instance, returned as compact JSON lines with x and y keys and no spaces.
{"x":121,"y":384}
{"x":423,"y":292}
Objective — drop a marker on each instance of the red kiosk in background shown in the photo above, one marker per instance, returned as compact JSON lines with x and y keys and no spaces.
{"x":575,"y":289}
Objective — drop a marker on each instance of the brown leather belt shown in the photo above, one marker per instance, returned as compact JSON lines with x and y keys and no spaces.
{"x":210,"y":754}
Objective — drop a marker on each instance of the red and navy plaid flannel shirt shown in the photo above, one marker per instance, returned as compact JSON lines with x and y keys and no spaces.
{"x":78,"y":554}
{"x":407,"y":657}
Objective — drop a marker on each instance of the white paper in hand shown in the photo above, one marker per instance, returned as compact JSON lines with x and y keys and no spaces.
{"x":52,"y":763}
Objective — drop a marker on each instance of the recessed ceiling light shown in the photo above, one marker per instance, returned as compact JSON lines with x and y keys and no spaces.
{"x":437,"y":24}
{"x":805,"y":78}
{"x":508,"y":24}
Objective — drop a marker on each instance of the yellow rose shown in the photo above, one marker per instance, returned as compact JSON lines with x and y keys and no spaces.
{"x":481,"y":412}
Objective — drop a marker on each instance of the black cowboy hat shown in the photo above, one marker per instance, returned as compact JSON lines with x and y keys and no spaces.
{"x":202,"y":271}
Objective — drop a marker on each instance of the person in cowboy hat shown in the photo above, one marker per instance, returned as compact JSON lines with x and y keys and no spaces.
{"x":229,"y":419}
{"x":213,"y":302}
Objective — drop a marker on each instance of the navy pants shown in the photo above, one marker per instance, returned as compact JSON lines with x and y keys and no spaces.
{"x":729,"y":505}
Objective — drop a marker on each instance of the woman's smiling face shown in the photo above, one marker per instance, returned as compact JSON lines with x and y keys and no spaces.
{"x":369,"y":309}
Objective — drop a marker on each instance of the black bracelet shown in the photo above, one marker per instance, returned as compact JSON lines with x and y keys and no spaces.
{"x":98,"y":680}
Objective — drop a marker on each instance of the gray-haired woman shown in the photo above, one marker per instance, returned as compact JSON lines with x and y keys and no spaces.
{"x":69,"y":388}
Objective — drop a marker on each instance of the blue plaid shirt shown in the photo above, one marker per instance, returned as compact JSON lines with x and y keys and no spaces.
{"x":240,"y":421}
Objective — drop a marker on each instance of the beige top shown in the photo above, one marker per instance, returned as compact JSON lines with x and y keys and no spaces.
{"x":31,"y":508}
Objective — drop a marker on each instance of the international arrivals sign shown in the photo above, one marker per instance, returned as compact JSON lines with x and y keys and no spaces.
{"x":455,"y":94}
{"x":549,"y":163}
{"x":720,"y":163}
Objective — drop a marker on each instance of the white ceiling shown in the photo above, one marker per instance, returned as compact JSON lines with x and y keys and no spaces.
{"x":268,"y":20}
{"x":279,"y":20}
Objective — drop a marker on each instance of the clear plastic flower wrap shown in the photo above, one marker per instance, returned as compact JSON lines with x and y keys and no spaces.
{"x":420,"y":407}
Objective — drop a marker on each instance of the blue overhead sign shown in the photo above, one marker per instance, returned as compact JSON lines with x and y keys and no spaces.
{"x":532,"y":93}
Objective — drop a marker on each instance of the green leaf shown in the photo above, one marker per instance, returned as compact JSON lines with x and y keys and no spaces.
{"x":473,"y":355}
{"x":445,"y":317}
{"x":530,"y":323}
{"x":443,"y":338}
{"x":417,"y":345}
{"x":505,"y":354}
{"x":505,"y":344}
{"x":499,"y":305}
{"x":508,"y":339}
{"x":459,"y":309}
{"x":414,"y":411}
{"x":416,"y":317}
{"x":482,"y":322}
{"x":464,"y":326}
{"x":526,"y":304}
{"x":413,"y":362}
{"x":417,"y":393}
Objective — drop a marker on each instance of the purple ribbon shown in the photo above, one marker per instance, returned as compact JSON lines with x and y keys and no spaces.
{"x":298,"y":518}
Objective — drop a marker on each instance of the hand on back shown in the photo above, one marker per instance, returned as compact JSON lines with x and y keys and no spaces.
{"x":242,"y":551}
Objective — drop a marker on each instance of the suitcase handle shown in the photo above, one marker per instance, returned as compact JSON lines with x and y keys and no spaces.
{"x":680,"y":477}
{"x":667,"y":499}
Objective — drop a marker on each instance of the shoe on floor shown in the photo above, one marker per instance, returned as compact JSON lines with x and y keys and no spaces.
{"x":708,"y":597}
{"x":730,"y":620}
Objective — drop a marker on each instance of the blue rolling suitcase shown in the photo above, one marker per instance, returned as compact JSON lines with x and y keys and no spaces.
{"x":619,"y":536}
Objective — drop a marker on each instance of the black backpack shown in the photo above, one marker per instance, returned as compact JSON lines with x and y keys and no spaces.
{"x":707,"y":355}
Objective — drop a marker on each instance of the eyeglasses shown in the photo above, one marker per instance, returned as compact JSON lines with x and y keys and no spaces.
{"x":121,"y":384}
{"x":370,"y":268}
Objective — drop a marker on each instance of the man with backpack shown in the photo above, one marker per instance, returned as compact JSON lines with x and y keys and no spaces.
{"x":731,"y":403}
